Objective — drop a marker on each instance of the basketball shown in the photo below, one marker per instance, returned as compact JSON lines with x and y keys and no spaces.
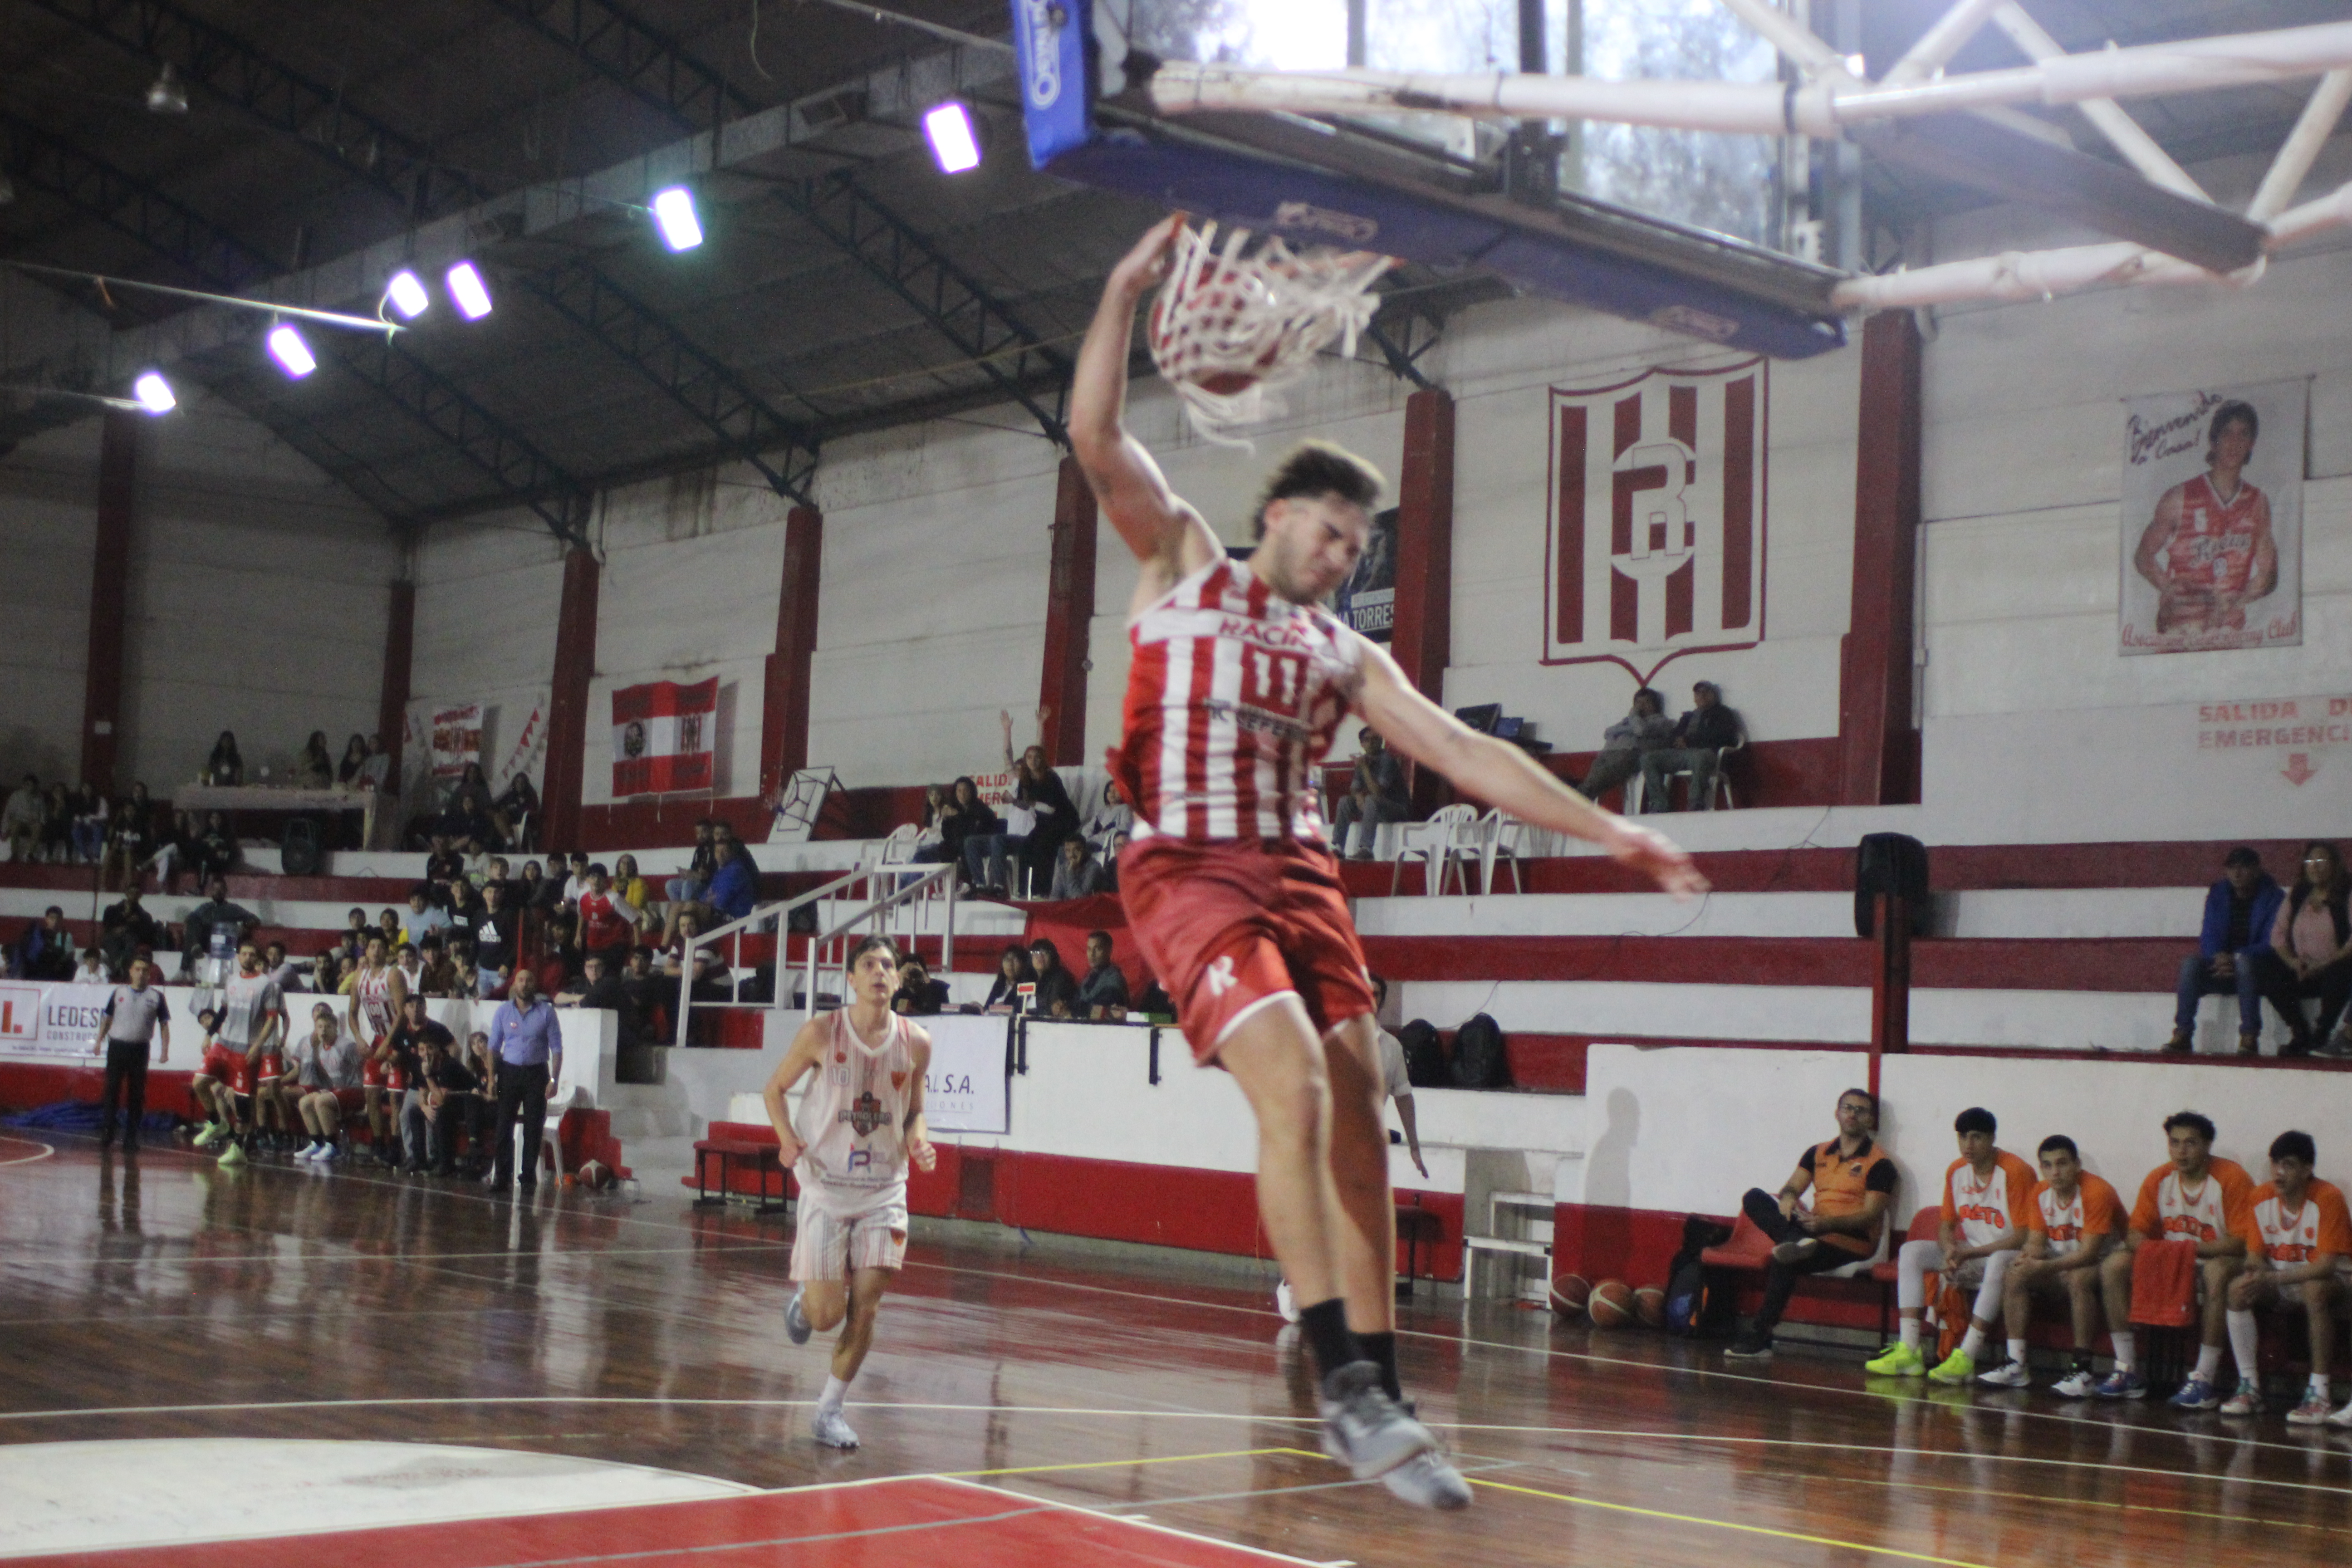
{"x":1650,"y":1306}
{"x":1611,"y":1305}
{"x":1570,"y":1293}
{"x":1225,"y":382}
{"x":595,"y":1176}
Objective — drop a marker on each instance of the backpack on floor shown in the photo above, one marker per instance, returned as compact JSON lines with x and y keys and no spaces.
{"x":1425,"y":1057}
{"x":1479,"y":1061}
{"x":1696,"y":1307}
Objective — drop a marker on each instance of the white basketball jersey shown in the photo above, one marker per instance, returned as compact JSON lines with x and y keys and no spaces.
{"x":854,"y":1116}
{"x":375,"y":994}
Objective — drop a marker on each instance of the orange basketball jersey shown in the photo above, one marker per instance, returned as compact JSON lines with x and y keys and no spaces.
{"x":2170,"y":1211}
{"x":1987,"y":1208}
{"x":2097,"y":1210}
{"x":2290,"y":1239}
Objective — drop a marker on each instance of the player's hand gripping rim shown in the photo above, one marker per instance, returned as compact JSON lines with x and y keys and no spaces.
{"x":1667,"y":863}
{"x":1143,"y":267}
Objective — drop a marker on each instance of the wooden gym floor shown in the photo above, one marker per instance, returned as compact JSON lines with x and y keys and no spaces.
{"x":1057,"y":1405}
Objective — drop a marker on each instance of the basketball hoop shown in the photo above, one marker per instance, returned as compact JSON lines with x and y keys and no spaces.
{"x":1228,"y":327}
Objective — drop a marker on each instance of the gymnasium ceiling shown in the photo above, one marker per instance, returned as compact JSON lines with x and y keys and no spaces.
{"x":845,"y":284}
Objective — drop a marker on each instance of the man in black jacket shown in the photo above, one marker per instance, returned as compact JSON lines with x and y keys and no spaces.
{"x":1701,"y":736}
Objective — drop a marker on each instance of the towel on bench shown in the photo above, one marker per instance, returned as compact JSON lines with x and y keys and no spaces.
{"x":2164,"y":1284}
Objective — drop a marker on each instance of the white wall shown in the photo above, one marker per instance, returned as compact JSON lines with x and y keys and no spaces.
{"x":48,"y":530}
{"x":488,"y":594}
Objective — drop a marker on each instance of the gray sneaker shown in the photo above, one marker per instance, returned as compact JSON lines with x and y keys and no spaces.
{"x":831,"y":1430}
{"x":1362,"y":1428}
{"x":796,"y":1325}
{"x":1426,"y":1481}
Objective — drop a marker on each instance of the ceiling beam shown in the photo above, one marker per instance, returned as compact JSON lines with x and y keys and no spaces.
{"x":274,"y":94}
{"x":625,"y":51}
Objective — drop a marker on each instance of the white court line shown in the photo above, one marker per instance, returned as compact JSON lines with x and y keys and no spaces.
{"x":1137,"y":1523}
{"x":47,"y":1149}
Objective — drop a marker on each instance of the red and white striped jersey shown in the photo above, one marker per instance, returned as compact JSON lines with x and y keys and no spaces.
{"x":1233,"y":694}
{"x":2214,"y":546}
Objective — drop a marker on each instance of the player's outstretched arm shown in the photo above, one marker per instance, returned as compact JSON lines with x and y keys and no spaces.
{"x":1505,"y":776}
{"x":1158,"y":525}
{"x":805,"y":1054}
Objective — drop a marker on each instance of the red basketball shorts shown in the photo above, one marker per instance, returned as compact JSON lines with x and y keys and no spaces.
{"x":219,"y":1063}
{"x":1230,"y":924}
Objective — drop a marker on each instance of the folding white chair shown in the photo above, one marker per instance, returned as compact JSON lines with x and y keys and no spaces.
{"x":1448,"y":842}
{"x":1503,"y":836}
{"x":551,"y":1140}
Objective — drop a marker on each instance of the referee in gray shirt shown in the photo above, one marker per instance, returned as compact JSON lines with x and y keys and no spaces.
{"x":133,"y":1016}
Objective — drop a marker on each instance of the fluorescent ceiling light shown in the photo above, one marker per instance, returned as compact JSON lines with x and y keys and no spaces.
{"x":467,"y":287}
{"x":674,"y":215}
{"x":286,"y":346}
{"x":408,"y":294}
{"x":953,"y":142}
{"x":155,"y":394}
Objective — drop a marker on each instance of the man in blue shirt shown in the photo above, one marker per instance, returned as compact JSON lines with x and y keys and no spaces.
{"x":526,"y":1051}
{"x":733,"y":890}
{"x":2239,"y":912}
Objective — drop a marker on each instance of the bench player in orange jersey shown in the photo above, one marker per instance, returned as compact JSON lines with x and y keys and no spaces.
{"x":2196,"y":1196}
{"x":1238,"y":679}
{"x":2072,"y":1219}
{"x":1983,"y":1225}
{"x":2298,"y":1242}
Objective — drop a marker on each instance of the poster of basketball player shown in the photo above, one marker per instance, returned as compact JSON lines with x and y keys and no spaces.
{"x":1367,"y":600}
{"x":2213,"y":519}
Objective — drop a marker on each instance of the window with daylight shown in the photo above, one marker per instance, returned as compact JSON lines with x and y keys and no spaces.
{"x":1727,"y":183}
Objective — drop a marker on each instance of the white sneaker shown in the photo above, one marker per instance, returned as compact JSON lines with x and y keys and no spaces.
{"x":831,"y":1430}
{"x":1426,"y":1481}
{"x":2076,"y":1385}
{"x":329,"y":1153}
{"x":2009,"y":1374}
{"x":310,"y":1151}
{"x":1285,"y":1301}
{"x":2342,"y":1417}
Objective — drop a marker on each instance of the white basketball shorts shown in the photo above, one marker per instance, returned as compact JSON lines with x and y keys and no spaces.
{"x":837,"y":1232}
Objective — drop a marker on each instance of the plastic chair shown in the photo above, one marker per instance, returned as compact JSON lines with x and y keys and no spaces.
{"x":550,"y":1139}
{"x":1504,"y":837}
{"x":1450,"y":834}
{"x":1925,"y":1225}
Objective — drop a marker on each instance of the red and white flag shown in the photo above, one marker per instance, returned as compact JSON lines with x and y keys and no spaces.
{"x":456,"y":739}
{"x":661,"y":737}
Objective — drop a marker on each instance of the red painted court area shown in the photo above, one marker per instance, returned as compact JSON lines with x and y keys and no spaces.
{"x":858,"y":1524}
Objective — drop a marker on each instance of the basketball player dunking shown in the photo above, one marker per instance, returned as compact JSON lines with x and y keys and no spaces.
{"x":1238,"y":681}
{"x":860,"y":1123}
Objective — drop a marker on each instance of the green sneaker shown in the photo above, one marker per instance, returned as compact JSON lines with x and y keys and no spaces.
{"x":1897,"y":1360}
{"x":1958,"y":1367}
{"x":208,"y":1136}
{"x":234,"y":1154}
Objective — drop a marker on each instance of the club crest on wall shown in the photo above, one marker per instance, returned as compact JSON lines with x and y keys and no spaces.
{"x":1656,"y":542}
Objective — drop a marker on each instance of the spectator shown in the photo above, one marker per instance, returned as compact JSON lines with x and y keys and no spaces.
{"x":1624,"y":744}
{"x":425,"y":917}
{"x":1058,"y":993}
{"x":470,"y":819}
{"x":443,"y":869}
{"x":919,"y":996}
{"x":608,"y":922}
{"x":1076,"y":875}
{"x":725,"y":834}
{"x":1012,"y":972}
{"x":224,"y":767}
{"x":210,"y":935}
{"x":315,"y":767}
{"x":2310,"y":953}
{"x":387,"y":926}
{"x":91,"y":815}
{"x":465,"y":910}
{"x":577,"y":882}
{"x":1395,"y":1083}
{"x":327,"y":973}
{"x":130,"y":839}
{"x":527,"y":1047}
{"x":630,"y":887}
{"x":126,"y":927}
{"x":517,"y":811}
{"x":57,"y":825}
{"x":646,"y":992}
{"x":2240,"y":911}
{"x":1701,"y":736}
{"x":279,"y":968}
{"x":321,"y":1070}
{"x":1110,"y":862}
{"x":1851,"y":1180}
{"x":179,"y":847}
{"x":2073,"y":1220}
{"x":560,"y":960}
{"x":689,"y":887}
{"x":964,"y":819}
{"x":536,"y":891}
{"x":1039,"y":790}
{"x":446,"y":1104}
{"x":708,"y":982}
{"x":438,"y":977}
{"x":411,"y":964}
{"x":2194,"y":1197}
{"x":348,"y":772}
{"x":91,"y":970}
{"x":468,"y":979}
{"x":1376,"y":794}
{"x":20,"y":819}
{"x":729,"y":896}
{"x":1110,"y":821}
{"x":2297,"y":1235}
{"x":930,"y":840}
{"x":1983,"y":1225}
{"x":375,"y":774}
{"x":131,"y":1017}
{"x":498,"y":938}
{"x":402,"y":1058}
{"x":356,"y":931}
{"x":1102,"y":995}
{"x":217,"y":848}
{"x":603,"y":986}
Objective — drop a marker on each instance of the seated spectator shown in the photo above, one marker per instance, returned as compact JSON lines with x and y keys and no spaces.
{"x":57,"y":825}
{"x":989,"y":856}
{"x":1039,"y":790}
{"x":608,"y":922}
{"x":2240,"y":911}
{"x":1110,"y":821}
{"x":2194,"y":1197}
{"x":356,"y":931}
{"x":210,"y":935}
{"x":1102,"y":995}
{"x":348,"y":771}
{"x":470,"y":819}
{"x":279,"y":968}
{"x":689,"y":889}
{"x":1078,"y":875}
{"x":516,"y":812}
{"x":387,"y":926}
{"x":1983,"y":1225}
{"x":2298,"y":1235}
{"x":325,"y":1070}
{"x":224,"y":767}
{"x":559,"y":961}
{"x":919,"y":996}
{"x":708,"y":982}
{"x":92,"y":815}
{"x":20,"y":819}
{"x":2073,"y":1220}
{"x":729,"y":896}
{"x":439,"y":975}
{"x":930,"y":841}
{"x":126,"y":927}
{"x":129,"y":840}
{"x":1057,"y":991}
{"x":315,"y":767}
{"x":446,"y":1106}
{"x":2310,"y":953}
{"x":1853,"y":1181}
{"x":1626,"y":743}
{"x":648,"y":993}
{"x":327,"y":973}
{"x":964,"y":819}
{"x":535,"y":890}
{"x":91,"y":970}
{"x":1110,"y":862}
{"x":577,"y":882}
{"x":425,"y":918}
{"x":1012,"y":972}
{"x":216,"y":849}
{"x":607,"y":987}
{"x":465,"y":909}
{"x":498,"y":938}
{"x":443,"y":869}
{"x":630,"y":886}
{"x":181,"y":846}
{"x":467,"y":981}
{"x":1376,"y":794}
{"x":1701,"y":736}
{"x":411,"y":964}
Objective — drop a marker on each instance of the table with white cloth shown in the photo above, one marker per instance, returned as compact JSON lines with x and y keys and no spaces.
{"x":374,"y":806}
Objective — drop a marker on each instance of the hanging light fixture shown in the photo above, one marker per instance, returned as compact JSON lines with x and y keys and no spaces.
{"x":286,"y":347}
{"x":166,"y":94}
{"x":955,"y":143}
{"x":408,"y":294}
{"x":674,"y":215}
{"x":467,"y":290}
{"x":155,"y":394}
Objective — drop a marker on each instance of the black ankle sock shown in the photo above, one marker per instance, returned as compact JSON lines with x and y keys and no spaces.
{"x":2083,"y":1360}
{"x":1326,"y":1326}
{"x":1380,"y":1350}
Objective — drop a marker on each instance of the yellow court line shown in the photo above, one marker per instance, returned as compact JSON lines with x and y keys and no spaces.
{"x":1726,"y":1524}
{"x":1117,"y":1463}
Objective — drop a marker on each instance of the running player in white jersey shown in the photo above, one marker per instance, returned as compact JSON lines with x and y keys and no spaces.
{"x":860,"y":1124}
{"x":2298,"y":1242}
{"x":2074,"y":1218}
{"x":1981,"y":1227}
{"x":1237,"y":680}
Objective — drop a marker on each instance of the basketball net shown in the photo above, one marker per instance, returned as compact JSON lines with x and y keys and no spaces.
{"x":1228,"y":328}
